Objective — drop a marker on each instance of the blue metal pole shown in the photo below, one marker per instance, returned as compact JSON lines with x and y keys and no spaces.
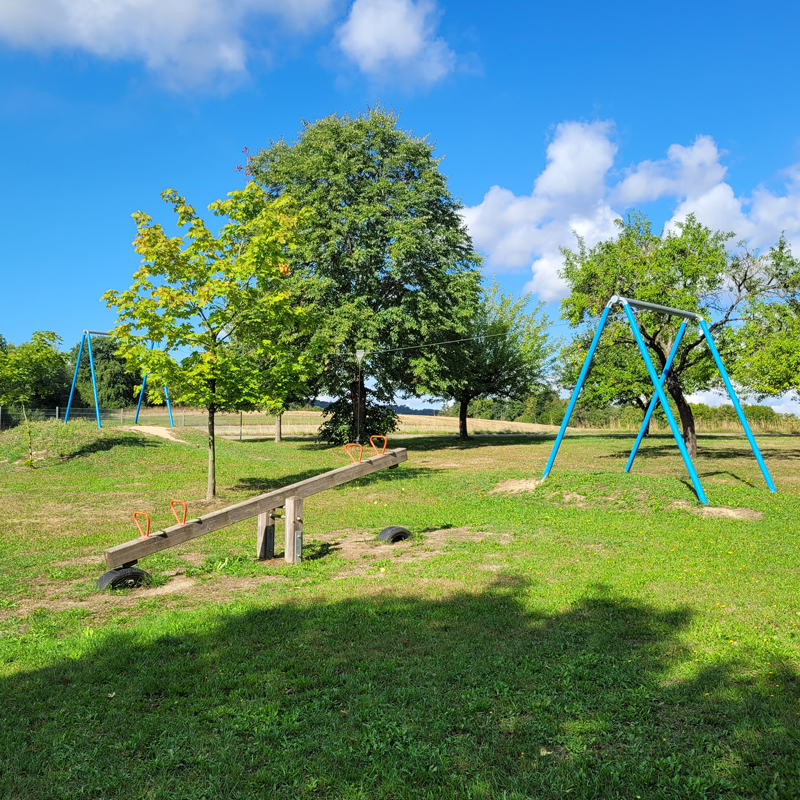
{"x":141,"y":392}
{"x":169,"y":407}
{"x":576,"y":391}
{"x":664,"y":404}
{"x":652,"y":407}
{"x":739,"y":410}
{"x":94,"y":380}
{"x":141,"y":395}
{"x":74,"y":378}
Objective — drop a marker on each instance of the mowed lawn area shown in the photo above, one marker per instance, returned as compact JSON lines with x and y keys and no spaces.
{"x":595,"y":636}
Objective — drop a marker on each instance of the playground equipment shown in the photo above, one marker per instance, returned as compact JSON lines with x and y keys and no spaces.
{"x":87,"y":340}
{"x":121,"y":560}
{"x":141,"y":396}
{"x":361,"y":448}
{"x":658,"y":384}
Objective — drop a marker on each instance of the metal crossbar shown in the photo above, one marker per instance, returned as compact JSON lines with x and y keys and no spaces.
{"x":616,"y":300}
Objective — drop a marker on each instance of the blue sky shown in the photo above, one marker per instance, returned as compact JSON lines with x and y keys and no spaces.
{"x":549,"y":117}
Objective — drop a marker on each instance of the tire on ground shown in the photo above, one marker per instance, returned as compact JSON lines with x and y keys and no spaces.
{"x":394,"y":533}
{"x":125,"y":578}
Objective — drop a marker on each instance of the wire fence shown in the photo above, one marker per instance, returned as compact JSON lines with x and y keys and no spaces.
{"x":293,"y":423}
{"x":307,"y":422}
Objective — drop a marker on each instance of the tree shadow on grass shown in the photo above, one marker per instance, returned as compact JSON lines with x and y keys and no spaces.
{"x":107,"y":443}
{"x":259,"y":485}
{"x":445,"y":442}
{"x":737,"y":448}
{"x":385,"y":695}
{"x":435,"y":443}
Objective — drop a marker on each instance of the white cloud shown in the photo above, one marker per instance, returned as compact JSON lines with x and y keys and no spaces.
{"x":783,"y":404}
{"x":786,"y":404}
{"x":395,"y":40}
{"x":574,"y":193}
{"x":686,"y":171}
{"x":760,"y":218}
{"x":189,"y":42}
{"x":568,"y":195}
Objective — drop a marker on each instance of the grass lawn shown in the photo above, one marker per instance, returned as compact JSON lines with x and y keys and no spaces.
{"x":595,"y":636}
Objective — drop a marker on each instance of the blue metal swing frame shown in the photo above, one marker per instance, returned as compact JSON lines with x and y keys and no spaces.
{"x":658,"y":384}
{"x":87,"y":339}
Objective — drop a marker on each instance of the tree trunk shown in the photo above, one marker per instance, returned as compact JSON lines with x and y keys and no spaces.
{"x":687,"y":418}
{"x":277,"y":427}
{"x":211,"y":491}
{"x":644,"y":407}
{"x":462,"y":418}
{"x":358,"y":396}
{"x":30,"y":437}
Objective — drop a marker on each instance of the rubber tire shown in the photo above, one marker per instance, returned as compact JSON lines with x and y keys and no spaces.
{"x":124,"y":578}
{"x":394,"y":533}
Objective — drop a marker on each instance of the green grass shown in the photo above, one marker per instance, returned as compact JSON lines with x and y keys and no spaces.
{"x":592,"y":638}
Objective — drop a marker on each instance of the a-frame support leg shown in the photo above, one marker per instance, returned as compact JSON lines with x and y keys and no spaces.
{"x":740,"y":412}
{"x":74,"y":378}
{"x":664,"y":404}
{"x":576,"y":391}
{"x":654,"y":401}
{"x":94,"y":379}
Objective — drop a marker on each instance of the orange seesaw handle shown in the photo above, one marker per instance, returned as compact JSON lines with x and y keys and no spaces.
{"x":360,"y":451}
{"x":136,"y":515}
{"x":374,"y":446}
{"x":172,"y":504}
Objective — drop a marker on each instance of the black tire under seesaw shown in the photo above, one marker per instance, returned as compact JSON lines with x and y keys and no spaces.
{"x":122,"y":578}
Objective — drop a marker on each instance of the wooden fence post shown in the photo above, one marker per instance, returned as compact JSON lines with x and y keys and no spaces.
{"x":293,"y":551}
{"x":265,"y":543}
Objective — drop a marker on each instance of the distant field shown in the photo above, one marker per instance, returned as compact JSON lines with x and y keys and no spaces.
{"x":306,"y":423}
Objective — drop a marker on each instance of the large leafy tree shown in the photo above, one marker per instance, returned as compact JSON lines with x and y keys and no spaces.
{"x":32,"y":373}
{"x":690,"y":269}
{"x":504,"y":354}
{"x":769,"y":360}
{"x":215,"y":305}
{"x":618,"y":374}
{"x":384,"y":250}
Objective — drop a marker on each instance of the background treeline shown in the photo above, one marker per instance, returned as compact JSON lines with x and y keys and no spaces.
{"x":547,"y":408}
{"x":49,"y":386}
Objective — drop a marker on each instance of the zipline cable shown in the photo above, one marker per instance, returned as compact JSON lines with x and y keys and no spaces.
{"x":473,"y":338}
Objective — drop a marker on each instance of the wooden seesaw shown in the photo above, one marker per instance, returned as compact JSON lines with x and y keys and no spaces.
{"x":121,"y":559}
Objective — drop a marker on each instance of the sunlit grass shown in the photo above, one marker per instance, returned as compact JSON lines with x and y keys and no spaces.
{"x":593,"y":637}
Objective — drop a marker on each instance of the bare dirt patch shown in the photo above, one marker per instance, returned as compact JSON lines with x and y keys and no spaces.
{"x":222,"y":589}
{"x":360,"y":548}
{"x":179,"y":583}
{"x":516,"y":486}
{"x":574,"y":497}
{"x":154,"y":430}
{"x":720,"y":511}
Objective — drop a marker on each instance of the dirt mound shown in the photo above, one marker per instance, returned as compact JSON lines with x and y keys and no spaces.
{"x":154,"y":430}
{"x":720,"y":511}
{"x":516,"y":486}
